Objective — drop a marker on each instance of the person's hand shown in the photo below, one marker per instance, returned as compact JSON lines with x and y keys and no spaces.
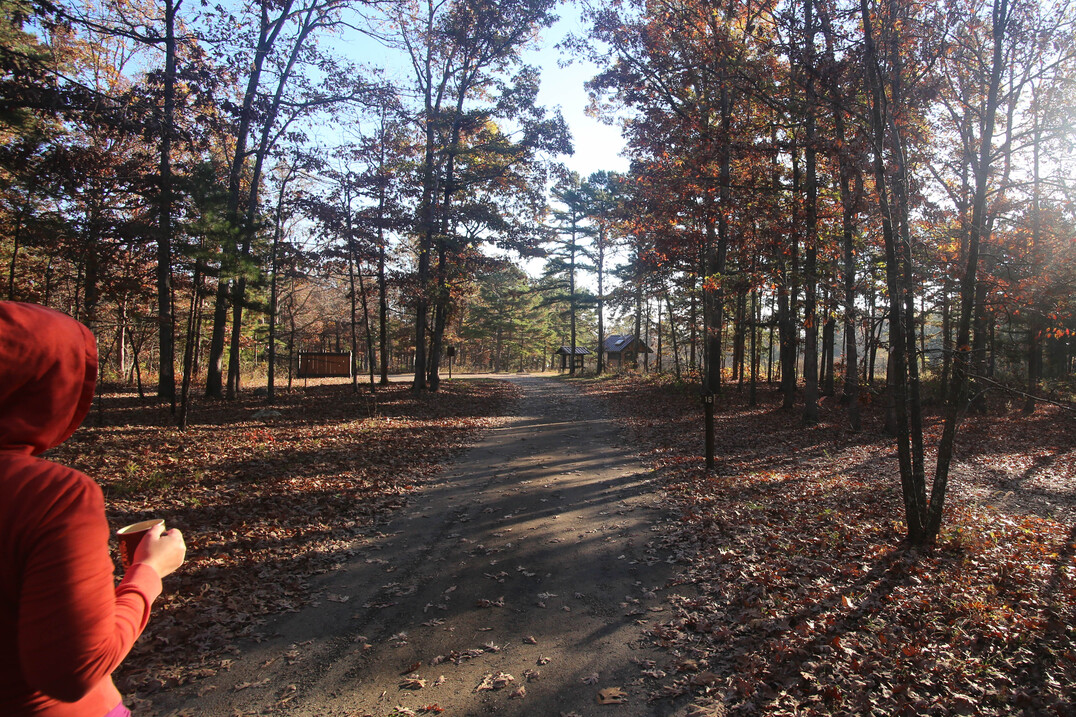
{"x":161,"y":550}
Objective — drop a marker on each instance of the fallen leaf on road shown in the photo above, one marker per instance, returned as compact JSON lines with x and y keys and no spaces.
{"x":612,"y":696}
{"x":337,"y":598}
{"x":412,"y":682}
{"x":518,"y":693}
{"x":530,"y":640}
{"x":543,"y":660}
{"x":704,"y":679}
{"x":494,"y":682}
{"x":244,"y":685}
{"x":591,"y":679}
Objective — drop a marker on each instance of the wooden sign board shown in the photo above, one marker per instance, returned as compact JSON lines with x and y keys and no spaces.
{"x":324,"y":364}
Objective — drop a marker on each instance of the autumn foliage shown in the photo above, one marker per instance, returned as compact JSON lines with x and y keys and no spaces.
{"x":798,"y":596}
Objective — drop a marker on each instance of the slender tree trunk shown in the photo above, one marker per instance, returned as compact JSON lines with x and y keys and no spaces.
{"x":769,"y":340}
{"x":828,"y":353}
{"x":16,"y":237}
{"x":913,"y":489}
{"x":1034,"y":328}
{"x":369,"y":331}
{"x":190,"y":348}
{"x":166,"y":377}
{"x":121,"y":334}
{"x":786,"y":300}
{"x":739,"y":337}
{"x":810,"y":307}
{"x":693,"y":323}
{"x":382,"y":280}
{"x":600,"y":368}
{"x":658,"y":355}
{"x":440,"y":321}
{"x":638,"y":315}
{"x":428,"y":214}
{"x":274,"y":281}
{"x":136,"y":364}
{"x":968,"y":284}
{"x":672,"y":335}
{"x":352,"y":305}
{"x":753,"y":391}
{"x":571,"y":297}
{"x":850,"y":389}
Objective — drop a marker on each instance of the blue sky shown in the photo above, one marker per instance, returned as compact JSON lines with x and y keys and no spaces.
{"x":597,"y":145}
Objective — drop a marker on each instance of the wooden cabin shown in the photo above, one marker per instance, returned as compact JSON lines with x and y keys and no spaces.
{"x":624,"y":350}
{"x":322,"y":364}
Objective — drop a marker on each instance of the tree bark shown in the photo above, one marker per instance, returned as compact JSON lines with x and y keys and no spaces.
{"x":166,"y":377}
{"x":810,"y":306}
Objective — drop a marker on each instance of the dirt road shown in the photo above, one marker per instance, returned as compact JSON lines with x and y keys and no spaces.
{"x":518,"y":581}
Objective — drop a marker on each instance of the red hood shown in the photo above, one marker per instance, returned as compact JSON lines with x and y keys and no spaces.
{"x":48,"y":365}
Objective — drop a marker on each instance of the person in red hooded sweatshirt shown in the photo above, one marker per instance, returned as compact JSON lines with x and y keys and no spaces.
{"x":64,"y":624}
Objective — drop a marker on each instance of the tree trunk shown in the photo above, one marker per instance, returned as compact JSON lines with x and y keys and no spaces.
{"x":693,"y":319}
{"x":968,"y":284}
{"x":810,"y":307}
{"x":166,"y":377}
{"x":828,"y":353}
{"x":672,"y":335}
{"x":846,"y":169}
{"x":901,"y":382}
{"x":190,"y":348}
{"x":786,"y":304}
{"x":753,"y":391}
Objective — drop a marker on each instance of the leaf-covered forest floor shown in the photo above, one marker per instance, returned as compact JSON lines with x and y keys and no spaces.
{"x":806,"y":600}
{"x":265,"y":502}
{"x":796,"y":594}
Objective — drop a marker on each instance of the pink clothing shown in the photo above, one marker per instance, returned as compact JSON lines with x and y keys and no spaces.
{"x":119,"y":711}
{"x":64,"y":627}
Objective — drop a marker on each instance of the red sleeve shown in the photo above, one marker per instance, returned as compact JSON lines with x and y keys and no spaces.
{"x":74,"y":627}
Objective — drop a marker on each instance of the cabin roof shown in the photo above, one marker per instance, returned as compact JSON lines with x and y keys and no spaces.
{"x":567,"y":351}
{"x":621,"y":342}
